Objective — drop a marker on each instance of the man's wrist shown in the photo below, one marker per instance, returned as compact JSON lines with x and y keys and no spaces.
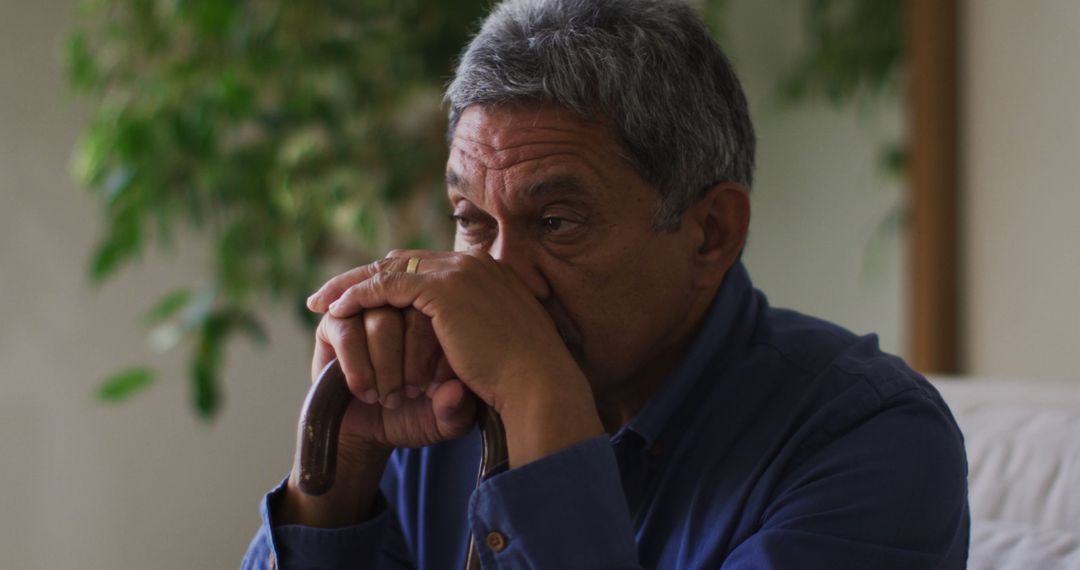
{"x":350,"y":501}
{"x":551,"y":416}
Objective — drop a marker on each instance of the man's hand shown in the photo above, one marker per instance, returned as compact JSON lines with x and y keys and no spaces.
{"x":373,"y":350}
{"x":462,"y":325}
{"x":369,"y":347}
{"x":495,"y":336}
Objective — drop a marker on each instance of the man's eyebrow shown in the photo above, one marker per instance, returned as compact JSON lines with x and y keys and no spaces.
{"x":456,"y":182}
{"x":453,"y":179}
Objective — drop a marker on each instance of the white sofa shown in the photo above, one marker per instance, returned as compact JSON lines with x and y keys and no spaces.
{"x":1023,"y":445}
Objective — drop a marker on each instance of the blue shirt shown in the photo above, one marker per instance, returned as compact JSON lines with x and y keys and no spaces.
{"x":780,"y":441}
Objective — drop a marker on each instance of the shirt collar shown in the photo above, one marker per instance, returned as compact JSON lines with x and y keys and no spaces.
{"x":725,"y":317}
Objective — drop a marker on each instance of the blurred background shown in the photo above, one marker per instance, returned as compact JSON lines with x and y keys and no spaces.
{"x":154,"y":357}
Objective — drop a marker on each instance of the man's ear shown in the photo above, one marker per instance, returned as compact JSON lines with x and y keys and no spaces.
{"x":720,"y":218}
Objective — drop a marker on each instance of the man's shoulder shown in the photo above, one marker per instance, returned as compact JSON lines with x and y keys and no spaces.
{"x":814,"y":348}
{"x":835,"y":402}
{"x":804,"y":342}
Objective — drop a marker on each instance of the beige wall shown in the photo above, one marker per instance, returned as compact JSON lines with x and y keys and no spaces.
{"x":82,"y":485}
{"x":817,"y":241}
{"x":1022,"y":187}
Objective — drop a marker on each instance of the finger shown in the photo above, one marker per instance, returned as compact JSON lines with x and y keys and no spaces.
{"x":422,"y":353}
{"x":347,"y":340}
{"x":323,"y":353}
{"x":454,"y":408}
{"x":396,"y":289}
{"x":332,"y":289}
{"x":396,"y":260}
{"x":421,"y":253}
{"x":443,"y":373}
{"x":385,"y":329}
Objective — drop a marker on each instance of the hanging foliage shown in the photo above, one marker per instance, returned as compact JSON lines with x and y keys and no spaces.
{"x":294,"y":137}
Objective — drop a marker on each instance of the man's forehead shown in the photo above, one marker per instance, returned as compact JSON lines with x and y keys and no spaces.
{"x":531,"y":187}
{"x":511,"y":117}
{"x":498,"y":136}
{"x":544,"y":176}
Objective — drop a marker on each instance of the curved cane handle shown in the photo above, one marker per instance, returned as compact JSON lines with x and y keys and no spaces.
{"x":317,"y":433}
{"x":320,"y":423}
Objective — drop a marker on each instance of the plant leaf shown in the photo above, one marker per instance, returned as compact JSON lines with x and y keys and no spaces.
{"x":206,"y":365}
{"x":82,"y":69}
{"x":166,"y":307}
{"x":249,"y":324}
{"x":204,"y":381}
{"x":123,"y":241}
{"x":125,"y":384}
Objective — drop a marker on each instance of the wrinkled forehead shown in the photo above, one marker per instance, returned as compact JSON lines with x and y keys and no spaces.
{"x":502,"y":136}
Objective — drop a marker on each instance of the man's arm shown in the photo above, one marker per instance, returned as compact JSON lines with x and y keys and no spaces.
{"x":565,"y":510}
{"x":373,"y":543}
{"x":351,"y":500}
{"x":890,"y":493}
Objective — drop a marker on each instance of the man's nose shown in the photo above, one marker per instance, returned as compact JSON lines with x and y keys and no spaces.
{"x":518,"y":256}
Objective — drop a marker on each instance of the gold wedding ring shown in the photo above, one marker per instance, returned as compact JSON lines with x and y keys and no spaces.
{"x":413,"y":265}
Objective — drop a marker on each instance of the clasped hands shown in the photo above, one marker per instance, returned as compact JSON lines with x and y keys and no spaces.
{"x":418,"y":348}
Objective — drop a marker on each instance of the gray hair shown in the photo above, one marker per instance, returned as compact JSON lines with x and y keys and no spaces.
{"x":648,"y":67}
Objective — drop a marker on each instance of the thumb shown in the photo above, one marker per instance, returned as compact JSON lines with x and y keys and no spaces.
{"x":454,"y":407}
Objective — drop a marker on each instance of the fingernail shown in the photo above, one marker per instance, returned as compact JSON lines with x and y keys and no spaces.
{"x":411,"y":392}
{"x":335,"y":305}
{"x":371,"y":396}
{"x":432,"y":388}
{"x":311,"y":300}
{"x":392,"y":401}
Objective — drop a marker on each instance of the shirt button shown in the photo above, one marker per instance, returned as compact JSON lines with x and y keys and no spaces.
{"x":496,"y":541}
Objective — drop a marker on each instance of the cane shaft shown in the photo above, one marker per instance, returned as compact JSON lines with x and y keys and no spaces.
{"x":493,"y":457}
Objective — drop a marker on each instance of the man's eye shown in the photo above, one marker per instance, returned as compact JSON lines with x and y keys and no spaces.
{"x":559,"y":226}
{"x":462,"y":222}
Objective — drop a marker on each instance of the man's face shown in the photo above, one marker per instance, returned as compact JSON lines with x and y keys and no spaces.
{"x":549,"y":195}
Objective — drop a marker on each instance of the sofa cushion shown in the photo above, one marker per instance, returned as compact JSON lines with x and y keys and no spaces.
{"x":1022,"y":546}
{"x":1023,"y":445}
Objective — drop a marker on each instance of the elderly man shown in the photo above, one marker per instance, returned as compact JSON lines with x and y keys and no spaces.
{"x":658,"y":412}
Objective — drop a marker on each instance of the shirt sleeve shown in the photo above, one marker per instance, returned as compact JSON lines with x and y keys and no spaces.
{"x":891,"y":493}
{"x":566,"y":510}
{"x":372,"y":544}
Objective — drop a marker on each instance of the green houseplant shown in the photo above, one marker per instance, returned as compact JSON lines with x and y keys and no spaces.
{"x":299,"y":136}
